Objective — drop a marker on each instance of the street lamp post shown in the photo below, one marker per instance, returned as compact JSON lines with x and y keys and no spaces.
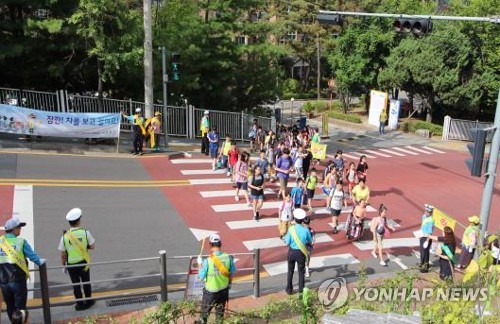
{"x":291,"y":114}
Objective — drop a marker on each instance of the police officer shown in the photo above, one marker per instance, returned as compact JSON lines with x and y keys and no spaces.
{"x":297,"y":238}
{"x":426,"y":228}
{"x":217,"y":271}
{"x":204,"y":128}
{"x":138,"y":130}
{"x":14,"y":267}
{"x":74,"y":246}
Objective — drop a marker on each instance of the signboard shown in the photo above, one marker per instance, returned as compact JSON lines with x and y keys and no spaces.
{"x":378,"y":102}
{"x":394,"y":107}
{"x":25,"y":121}
{"x":194,"y":286}
{"x":441,"y":219}
{"x":318,"y":150}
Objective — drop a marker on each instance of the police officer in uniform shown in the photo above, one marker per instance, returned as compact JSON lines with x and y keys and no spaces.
{"x":14,"y":267}
{"x":297,"y":238}
{"x":217,"y":271}
{"x":138,"y":130}
{"x":204,"y":128}
{"x":74,"y":246}
{"x":426,"y":228}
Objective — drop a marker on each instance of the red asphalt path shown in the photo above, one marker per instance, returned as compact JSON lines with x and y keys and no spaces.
{"x":403,"y":184}
{"x":6,"y":201}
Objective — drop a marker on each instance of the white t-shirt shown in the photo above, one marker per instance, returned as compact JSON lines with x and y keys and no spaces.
{"x":90,"y":240}
{"x":286,"y":213}
{"x":299,"y":161}
{"x":337,"y":200}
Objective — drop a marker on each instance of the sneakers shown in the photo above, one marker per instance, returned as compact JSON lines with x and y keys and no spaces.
{"x":89,"y":303}
{"x":236,"y":198}
{"x":307,"y":272}
{"x":374,"y":254}
{"x":228,"y":174}
{"x":382,"y":262}
{"x":250,"y":204}
{"x":214,"y":168}
{"x":335,"y":230}
{"x":257,"y":216}
{"x":80,"y":306}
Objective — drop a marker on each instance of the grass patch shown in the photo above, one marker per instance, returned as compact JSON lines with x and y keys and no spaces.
{"x":346,"y":117}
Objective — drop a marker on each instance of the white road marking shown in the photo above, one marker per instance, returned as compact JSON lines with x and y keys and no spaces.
{"x":392,"y":152}
{"x":204,"y":171}
{"x":416,"y":254}
{"x":377,"y":153}
{"x":417,"y":149}
{"x":22,"y":207}
{"x":209,"y":181}
{"x":350,"y":156}
{"x":278,"y":268}
{"x":433,"y":149}
{"x":361,"y":154}
{"x":388,"y":243}
{"x":191,"y":161}
{"x":396,"y":260}
{"x":229,"y":193}
{"x":244,"y":206}
{"x":264,"y":222}
{"x":268,"y":243}
{"x":405,"y":151}
{"x":344,"y":210}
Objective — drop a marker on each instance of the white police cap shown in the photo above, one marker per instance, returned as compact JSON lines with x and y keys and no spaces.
{"x":74,"y":214}
{"x":214,"y":238}
{"x":299,"y":214}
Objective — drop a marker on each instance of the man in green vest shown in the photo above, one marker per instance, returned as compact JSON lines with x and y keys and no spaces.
{"x":217,"y":271}
{"x":426,"y":228}
{"x":74,"y":246}
{"x":297,"y":237}
{"x":14,"y":267}
{"x":469,"y":242}
{"x":204,"y":128}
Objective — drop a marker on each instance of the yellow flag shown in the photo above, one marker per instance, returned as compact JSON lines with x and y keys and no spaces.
{"x":441,"y":220}
{"x":318,"y":150}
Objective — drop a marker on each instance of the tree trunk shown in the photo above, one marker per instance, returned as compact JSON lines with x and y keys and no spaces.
{"x":148,"y":60}
{"x":100,"y":86}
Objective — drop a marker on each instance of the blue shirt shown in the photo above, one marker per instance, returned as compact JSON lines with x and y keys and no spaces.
{"x":213,"y":137}
{"x":303,"y":234}
{"x":263,"y":164}
{"x":27,"y":250}
{"x":204,"y":268}
{"x":296,"y":194}
{"x":428,"y":227}
{"x":284,"y":163}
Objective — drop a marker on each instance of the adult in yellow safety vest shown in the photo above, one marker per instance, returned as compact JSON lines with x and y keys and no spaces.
{"x":469,"y":242}
{"x":217,"y":272}
{"x":297,"y":237}
{"x":426,"y":228}
{"x":138,"y":130}
{"x":74,"y":246}
{"x":14,"y":267}
{"x":204,"y":128}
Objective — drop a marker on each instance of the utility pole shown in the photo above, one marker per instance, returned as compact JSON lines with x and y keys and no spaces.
{"x":165,"y":97}
{"x":318,"y":58}
{"x":491,"y":173}
{"x":148,"y":60}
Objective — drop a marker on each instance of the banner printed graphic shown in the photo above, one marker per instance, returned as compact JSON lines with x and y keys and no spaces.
{"x":25,"y":121}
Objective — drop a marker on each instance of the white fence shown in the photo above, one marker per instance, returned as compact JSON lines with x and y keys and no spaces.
{"x":181,"y":121}
{"x":459,"y":129}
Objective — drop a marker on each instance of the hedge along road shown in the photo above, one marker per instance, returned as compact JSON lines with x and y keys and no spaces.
{"x":129,"y":218}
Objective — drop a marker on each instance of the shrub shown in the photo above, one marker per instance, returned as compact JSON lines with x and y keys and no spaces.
{"x":347,"y":117}
{"x":410,"y":126}
{"x":316,"y":105}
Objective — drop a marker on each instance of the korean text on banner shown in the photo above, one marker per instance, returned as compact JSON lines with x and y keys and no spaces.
{"x":25,"y":121}
{"x":394,"y":114}
{"x":318,"y":150}
{"x":194,"y":286}
{"x":441,"y":219}
{"x":378,"y":102}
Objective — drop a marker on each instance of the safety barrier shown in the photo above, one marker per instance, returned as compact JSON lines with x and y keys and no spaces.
{"x":179,"y":121}
{"x":459,"y":129}
{"x":162,"y":275}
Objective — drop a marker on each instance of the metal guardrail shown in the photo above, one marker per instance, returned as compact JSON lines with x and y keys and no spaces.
{"x":459,"y":129}
{"x":180,"y":121}
{"x":162,"y":275}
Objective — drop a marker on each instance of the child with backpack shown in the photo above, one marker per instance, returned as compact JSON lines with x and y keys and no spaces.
{"x":297,"y":194}
{"x":285,"y":215}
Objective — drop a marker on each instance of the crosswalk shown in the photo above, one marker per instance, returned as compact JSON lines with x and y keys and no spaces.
{"x":395,"y":151}
{"x":214,"y":187}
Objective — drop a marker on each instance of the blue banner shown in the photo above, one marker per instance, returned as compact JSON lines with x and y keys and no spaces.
{"x":25,"y":121}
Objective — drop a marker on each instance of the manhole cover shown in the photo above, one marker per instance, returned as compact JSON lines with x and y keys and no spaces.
{"x":131,"y":300}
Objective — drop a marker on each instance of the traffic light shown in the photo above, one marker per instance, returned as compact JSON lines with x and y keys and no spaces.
{"x":418,"y":26}
{"x":476,"y":150}
{"x":175,"y":65}
{"x":325,"y":19}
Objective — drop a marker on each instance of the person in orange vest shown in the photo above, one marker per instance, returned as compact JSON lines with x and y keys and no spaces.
{"x":138,"y":130}
{"x":14,"y":267}
{"x":217,"y":272}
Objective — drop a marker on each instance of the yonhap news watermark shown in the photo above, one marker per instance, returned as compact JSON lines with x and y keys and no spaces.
{"x":333,"y":293}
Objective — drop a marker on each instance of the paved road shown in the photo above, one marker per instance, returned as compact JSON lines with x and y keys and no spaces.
{"x":184,"y":201}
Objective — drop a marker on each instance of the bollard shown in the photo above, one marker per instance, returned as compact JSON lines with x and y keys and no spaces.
{"x":163,"y":276}
{"x":44,"y":285}
{"x":256,"y":273}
